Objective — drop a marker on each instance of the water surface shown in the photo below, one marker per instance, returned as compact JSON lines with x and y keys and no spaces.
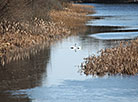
{"x":52,"y":75}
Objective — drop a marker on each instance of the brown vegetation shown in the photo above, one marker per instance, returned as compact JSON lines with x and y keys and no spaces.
{"x":122,"y":60}
{"x":19,"y":36}
{"x":74,"y":16}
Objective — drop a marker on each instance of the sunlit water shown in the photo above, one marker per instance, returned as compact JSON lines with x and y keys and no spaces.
{"x":53,"y":74}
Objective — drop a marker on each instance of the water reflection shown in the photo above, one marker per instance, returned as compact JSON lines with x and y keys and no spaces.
{"x":98,"y":29}
{"x":23,"y":74}
{"x":8,"y":97}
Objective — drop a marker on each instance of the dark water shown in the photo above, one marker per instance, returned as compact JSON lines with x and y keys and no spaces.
{"x":52,"y":74}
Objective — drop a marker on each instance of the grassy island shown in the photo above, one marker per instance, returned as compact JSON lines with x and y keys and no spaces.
{"x":120,"y":60}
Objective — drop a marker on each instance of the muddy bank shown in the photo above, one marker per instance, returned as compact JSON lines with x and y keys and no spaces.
{"x":121,"y":60}
{"x":16,"y":38}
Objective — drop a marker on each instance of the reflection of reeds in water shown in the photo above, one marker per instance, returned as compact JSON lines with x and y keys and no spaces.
{"x":8,"y":97}
{"x":122,"y":60}
{"x":24,"y":53}
{"x":26,"y":73}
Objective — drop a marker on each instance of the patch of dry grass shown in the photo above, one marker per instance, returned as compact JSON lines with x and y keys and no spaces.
{"x":73,"y":17}
{"x":122,"y":60}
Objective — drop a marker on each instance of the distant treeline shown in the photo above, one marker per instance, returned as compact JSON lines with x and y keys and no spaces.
{"x":106,"y":1}
{"x":18,"y":10}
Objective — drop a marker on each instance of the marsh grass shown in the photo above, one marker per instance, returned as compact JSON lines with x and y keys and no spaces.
{"x":120,"y":60}
{"x":17,"y":36}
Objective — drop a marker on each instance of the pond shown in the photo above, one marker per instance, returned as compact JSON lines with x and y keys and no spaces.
{"x":53,"y":74}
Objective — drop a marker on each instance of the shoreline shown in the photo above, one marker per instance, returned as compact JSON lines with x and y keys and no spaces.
{"x":18,"y":40}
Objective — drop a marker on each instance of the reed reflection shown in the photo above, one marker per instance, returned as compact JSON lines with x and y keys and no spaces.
{"x":23,"y":74}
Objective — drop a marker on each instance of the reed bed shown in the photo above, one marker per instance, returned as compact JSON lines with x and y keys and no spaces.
{"x":121,"y":60}
{"x":16,"y":37}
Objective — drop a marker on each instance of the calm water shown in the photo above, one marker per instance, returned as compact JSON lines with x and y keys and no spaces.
{"x":53,"y":74}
